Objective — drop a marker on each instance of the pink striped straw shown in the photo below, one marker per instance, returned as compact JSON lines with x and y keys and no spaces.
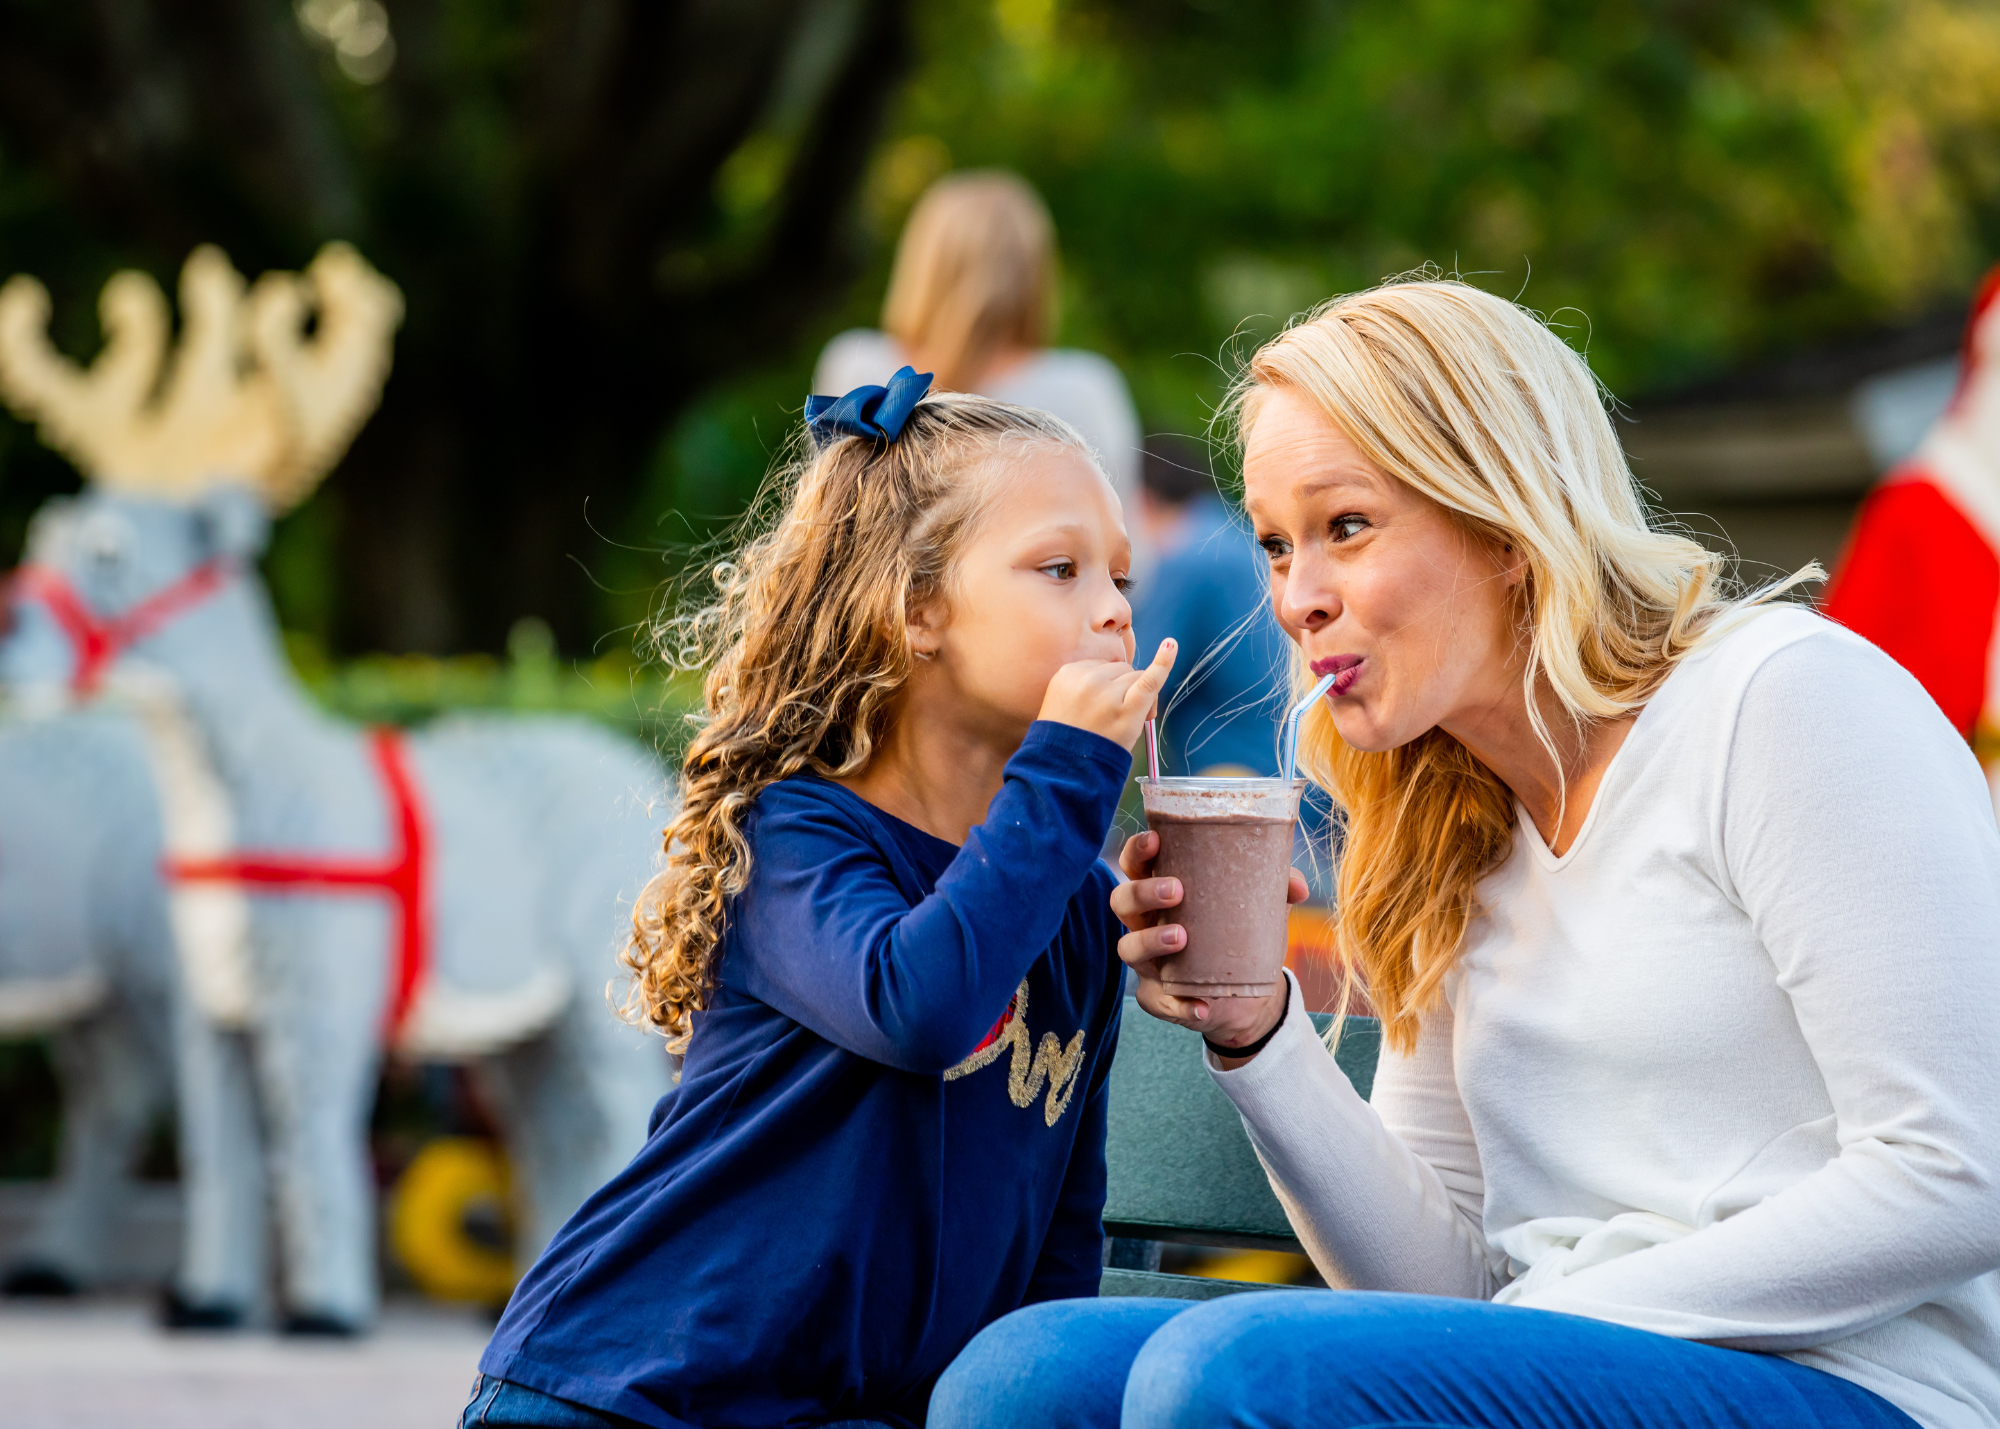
{"x":1153,"y":748}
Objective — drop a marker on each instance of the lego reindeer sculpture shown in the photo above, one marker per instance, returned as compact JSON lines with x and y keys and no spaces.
{"x":453,"y":893}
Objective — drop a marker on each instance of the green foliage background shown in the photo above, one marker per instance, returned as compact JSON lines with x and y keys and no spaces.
{"x":1682,"y":184}
{"x":1685,"y":186}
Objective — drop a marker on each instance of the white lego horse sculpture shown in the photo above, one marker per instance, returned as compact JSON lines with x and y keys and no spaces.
{"x":458,"y":892}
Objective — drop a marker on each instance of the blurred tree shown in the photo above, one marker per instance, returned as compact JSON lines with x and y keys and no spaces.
{"x":1696,"y":181}
{"x":1701,"y":179}
{"x":608,"y":216}
{"x":594,"y":208}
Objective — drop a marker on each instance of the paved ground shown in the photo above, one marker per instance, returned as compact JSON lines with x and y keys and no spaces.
{"x":102,"y":1365}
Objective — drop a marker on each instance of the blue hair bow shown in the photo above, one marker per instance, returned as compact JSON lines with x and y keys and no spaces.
{"x":877,"y":413}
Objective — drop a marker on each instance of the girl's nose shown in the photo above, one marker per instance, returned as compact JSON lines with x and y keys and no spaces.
{"x":1117,"y":614}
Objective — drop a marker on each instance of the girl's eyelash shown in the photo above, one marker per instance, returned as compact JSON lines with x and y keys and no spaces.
{"x":1067,"y":570}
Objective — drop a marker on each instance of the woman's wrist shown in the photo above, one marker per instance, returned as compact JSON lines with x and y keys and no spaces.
{"x":1236,"y":1056}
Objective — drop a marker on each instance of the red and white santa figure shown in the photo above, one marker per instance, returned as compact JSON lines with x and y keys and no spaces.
{"x":1921,"y":575}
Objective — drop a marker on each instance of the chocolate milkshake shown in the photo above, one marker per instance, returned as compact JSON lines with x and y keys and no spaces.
{"x":1229,"y":842}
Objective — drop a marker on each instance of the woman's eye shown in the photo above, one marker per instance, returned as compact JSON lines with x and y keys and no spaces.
{"x":1346,"y":528}
{"x":1060,"y":570}
{"x":1276,"y":547}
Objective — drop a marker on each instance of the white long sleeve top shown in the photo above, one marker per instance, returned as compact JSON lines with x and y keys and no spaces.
{"x":1727,"y":1070}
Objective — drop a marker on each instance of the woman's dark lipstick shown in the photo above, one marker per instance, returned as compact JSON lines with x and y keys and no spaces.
{"x":1345,"y":669}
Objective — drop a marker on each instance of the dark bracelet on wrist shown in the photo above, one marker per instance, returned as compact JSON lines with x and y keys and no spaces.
{"x":1251,"y":1049}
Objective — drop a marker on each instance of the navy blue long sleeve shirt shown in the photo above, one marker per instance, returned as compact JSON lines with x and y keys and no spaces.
{"x":890,"y":1125}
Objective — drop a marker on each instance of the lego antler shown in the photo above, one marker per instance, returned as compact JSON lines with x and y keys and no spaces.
{"x":332,"y":381}
{"x":247,"y":394}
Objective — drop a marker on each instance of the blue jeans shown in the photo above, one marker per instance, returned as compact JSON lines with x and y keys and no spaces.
{"x":1320,"y":1359}
{"x":503,"y":1404}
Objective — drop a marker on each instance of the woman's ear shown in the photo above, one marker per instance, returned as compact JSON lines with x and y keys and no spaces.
{"x":1513,"y":563}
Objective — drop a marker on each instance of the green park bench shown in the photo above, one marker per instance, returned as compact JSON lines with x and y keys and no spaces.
{"x":1180,"y":1165}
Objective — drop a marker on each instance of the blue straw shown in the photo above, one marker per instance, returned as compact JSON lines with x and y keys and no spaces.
{"x":1292,"y":724}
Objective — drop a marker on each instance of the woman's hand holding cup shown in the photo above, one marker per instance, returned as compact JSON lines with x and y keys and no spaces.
{"x":1141,"y":905}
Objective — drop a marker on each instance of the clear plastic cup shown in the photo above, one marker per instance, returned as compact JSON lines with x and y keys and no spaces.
{"x":1229,"y":842}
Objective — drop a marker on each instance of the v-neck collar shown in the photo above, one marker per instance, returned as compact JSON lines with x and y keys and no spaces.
{"x":1537,"y":845}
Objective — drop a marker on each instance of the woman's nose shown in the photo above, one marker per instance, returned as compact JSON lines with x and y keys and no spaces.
{"x":1305,"y":599}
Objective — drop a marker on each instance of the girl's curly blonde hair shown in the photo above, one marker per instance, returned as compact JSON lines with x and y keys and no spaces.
{"x":807,"y":644}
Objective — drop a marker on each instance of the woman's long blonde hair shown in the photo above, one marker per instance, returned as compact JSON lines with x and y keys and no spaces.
{"x":1472,"y":401}
{"x":974,"y":274}
{"x":807,"y":644}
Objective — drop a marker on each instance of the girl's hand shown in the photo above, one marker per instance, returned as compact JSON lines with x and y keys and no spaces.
{"x":1108,"y":697}
{"x":1139,"y":903}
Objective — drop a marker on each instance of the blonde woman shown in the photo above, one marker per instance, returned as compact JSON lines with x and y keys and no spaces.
{"x":971,"y":299}
{"x":1681,"y":913}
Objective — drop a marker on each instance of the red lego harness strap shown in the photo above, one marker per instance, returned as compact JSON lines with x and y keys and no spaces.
{"x":403,"y":875}
{"x":95,"y":641}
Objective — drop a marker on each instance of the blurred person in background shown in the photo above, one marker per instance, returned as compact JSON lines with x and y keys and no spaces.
{"x":972,"y":299}
{"x":1222,"y":705}
{"x":1207,"y":591}
{"x":1921,"y":573}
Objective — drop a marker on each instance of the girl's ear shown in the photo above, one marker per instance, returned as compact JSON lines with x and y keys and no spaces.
{"x":1513,"y":563}
{"x":924,"y":627}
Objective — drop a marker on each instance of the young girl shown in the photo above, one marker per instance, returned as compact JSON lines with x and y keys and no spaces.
{"x":882,"y":939}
